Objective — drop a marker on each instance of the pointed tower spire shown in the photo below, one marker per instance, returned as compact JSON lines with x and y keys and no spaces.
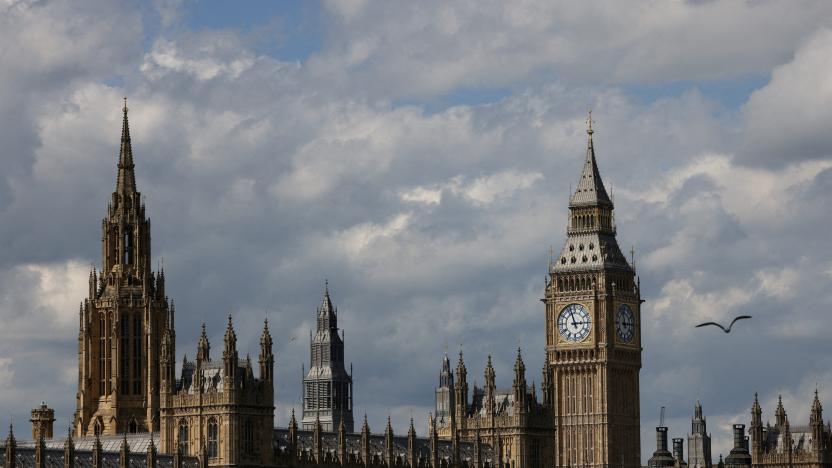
{"x":150,"y":458}
{"x":124,"y":453}
{"x":229,"y":356}
{"x":388,"y":443}
{"x":266,"y":354}
{"x":69,"y":450}
{"x":11,"y":448}
{"x":590,"y":190}
{"x":816,"y":413}
{"x":411,"y":445}
{"x":203,"y":352}
{"x":780,"y":412}
{"x":126,"y":179}
{"x":519,"y":385}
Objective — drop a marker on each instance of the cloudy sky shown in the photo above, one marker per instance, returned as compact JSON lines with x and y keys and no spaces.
{"x":420,"y":156}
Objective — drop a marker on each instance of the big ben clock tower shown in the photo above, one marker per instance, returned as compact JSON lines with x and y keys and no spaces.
{"x":593,"y":334}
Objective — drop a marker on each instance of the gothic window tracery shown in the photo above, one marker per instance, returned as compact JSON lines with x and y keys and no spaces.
{"x":213,"y":435}
{"x":183,"y":436}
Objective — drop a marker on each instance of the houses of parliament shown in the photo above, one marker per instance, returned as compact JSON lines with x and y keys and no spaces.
{"x":133,"y":409}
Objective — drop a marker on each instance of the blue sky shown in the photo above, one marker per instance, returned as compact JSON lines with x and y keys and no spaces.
{"x":420,"y":156}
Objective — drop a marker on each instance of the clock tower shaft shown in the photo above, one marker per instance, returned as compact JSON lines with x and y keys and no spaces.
{"x":595,"y":372}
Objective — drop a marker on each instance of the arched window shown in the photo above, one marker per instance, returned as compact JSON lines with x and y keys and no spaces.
{"x":137,"y":355}
{"x":125,"y":354}
{"x":213,"y":435}
{"x":248,"y":437}
{"x":183,"y":437}
{"x":133,"y":427}
{"x":102,"y":355}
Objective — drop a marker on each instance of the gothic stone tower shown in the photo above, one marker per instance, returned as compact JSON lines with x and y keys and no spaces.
{"x":327,"y":388}
{"x":123,"y":319}
{"x":218,"y":408}
{"x":593,"y":337}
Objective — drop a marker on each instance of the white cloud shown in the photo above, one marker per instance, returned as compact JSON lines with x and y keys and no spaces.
{"x":482,"y":190}
{"x":785,"y":121}
{"x":204,"y":63}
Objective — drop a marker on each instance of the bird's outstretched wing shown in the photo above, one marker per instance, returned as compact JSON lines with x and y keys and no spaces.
{"x":739,"y":317}
{"x":712,"y":323}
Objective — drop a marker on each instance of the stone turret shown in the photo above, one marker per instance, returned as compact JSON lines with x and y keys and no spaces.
{"x":699,"y":442}
{"x":679,"y":453}
{"x":445,"y":392}
{"x":43,"y":420}
{"x":327,"y":370}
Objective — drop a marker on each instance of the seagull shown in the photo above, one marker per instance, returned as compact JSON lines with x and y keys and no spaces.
{"x":726,"y":330}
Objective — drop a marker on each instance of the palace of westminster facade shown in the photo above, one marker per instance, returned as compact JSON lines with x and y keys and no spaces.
{"x":133,"y":410}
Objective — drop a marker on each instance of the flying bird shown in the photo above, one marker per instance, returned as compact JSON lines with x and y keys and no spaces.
{"x":726,"y":330}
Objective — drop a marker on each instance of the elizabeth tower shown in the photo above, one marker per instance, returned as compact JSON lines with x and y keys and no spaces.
{"x":123,"y":319}
{"x":593,"y":334}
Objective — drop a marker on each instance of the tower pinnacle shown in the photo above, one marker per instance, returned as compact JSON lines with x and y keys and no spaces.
{"x":126,"y":179}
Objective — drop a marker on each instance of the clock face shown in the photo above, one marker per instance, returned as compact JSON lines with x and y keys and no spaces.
{"x":574,"y":322}
{"x":625,"y":323}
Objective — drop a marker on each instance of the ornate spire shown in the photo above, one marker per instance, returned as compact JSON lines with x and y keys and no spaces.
{"x":489,"y":374}
{"x":590,"y":190}
{"x":230,"y":335}
{"x":755,"y":408}
{"x":126,"y":179}
{"x":816,"y":414}
{"x":266,"y":337}
{"x":519,"y":367}
{"x":780,"y":412}
{"x":327,"y":314}
{"x":266,"y":355}
{"x":203,"y":352}
{"x":461,"y":372}
{"x":69,"y":449}
{"x":11,"y":446}
{"x":446,"y":377}
{"x":124,"y":453}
